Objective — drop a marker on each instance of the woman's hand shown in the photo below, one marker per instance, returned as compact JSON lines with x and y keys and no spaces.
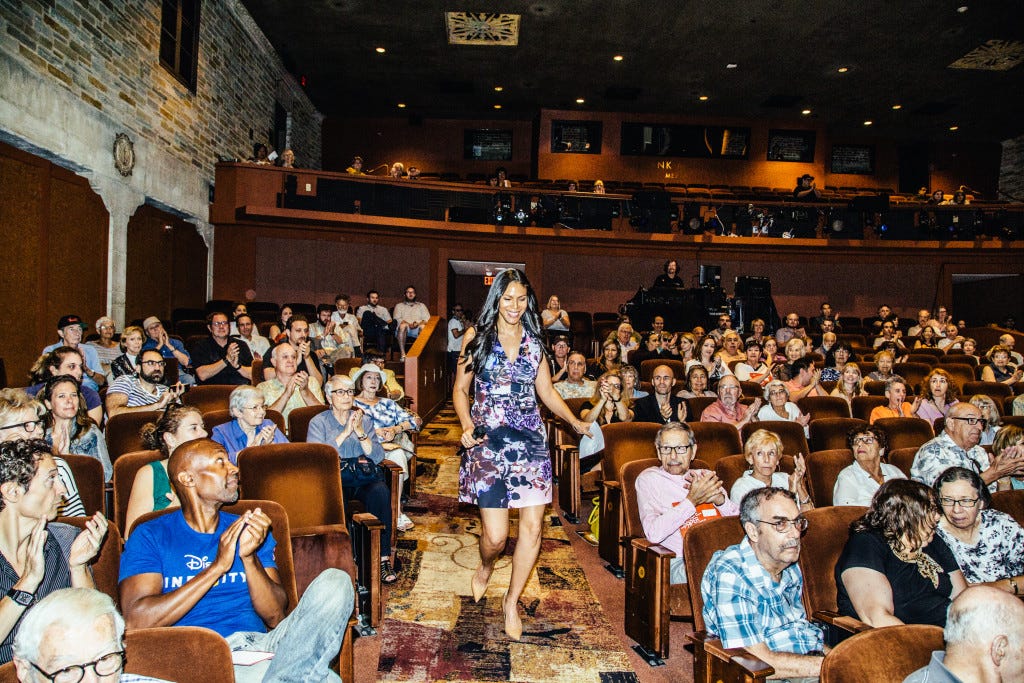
{"x":87,"y":544}
{"x":581,"y":427}
{"x":265,"y":435}
{"x":34,"y":566}
{"x":468,"y":440}
{"x":804,"y":420}
{"x":386,"y":434}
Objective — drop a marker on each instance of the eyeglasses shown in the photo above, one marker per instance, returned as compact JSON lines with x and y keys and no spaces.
{"x":962,"y":502}
{"x":971,"y":420}
{"x":678,"y":450}
{"x":30,"y":426}
{"x":104,"y":666}
{"x":159,"y":363}
{"x":343,"y":392}
{"x":864,"y":440}
{"x":784,"y":525}
{"x":613,"y":385}
{"x":256,"y":409}
{"x":219,"y":323}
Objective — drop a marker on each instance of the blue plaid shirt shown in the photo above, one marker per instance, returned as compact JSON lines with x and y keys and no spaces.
{"x":744,"y":606}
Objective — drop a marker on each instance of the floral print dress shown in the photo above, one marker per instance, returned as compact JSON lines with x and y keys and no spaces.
{"x":511,"y":468}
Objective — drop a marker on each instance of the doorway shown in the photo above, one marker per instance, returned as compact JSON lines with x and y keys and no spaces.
{"x":468,"y":282}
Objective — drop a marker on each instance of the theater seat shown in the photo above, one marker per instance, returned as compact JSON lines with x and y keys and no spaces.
{"x":882,"y":655}
{"x":819,"y":407}
{"x":732,"y":467}
{"x":904,"y":432}
{"x":828,"y":433}
{"x":823,"y":468}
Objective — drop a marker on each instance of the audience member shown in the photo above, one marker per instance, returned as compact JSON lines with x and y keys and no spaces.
{"x":169,"y":347}
{"x":993,"y":420}
{"x":894,"y":569}
{"x":1009,"y":341}
{"x":938,"y":394}
{"x":791,"y":330}
{"x":696,"y":383}
{"x":394,"y":389}
{"x":598,"y":187}
{"x":724,"y":325}
{"x":287,"y":159}
{"x":850,"y":383}
{"x":218,"y":358}
{"x":895,"y":392}
{"x":957,"y":446}
{"x":250,"y":427}
{"x":999,"y":368}
{"x":828,"y":342}
{"x":397,"y":171}
{"x":884,"y":360}
{"x":924,"y":319}
{"x":128,"y":362}
{"x":712,"y":363}
{"x":250,"y":334}
{"x":827,"y":314}
{"x":410,"y":315}
{"x":106,"y":348}
{"x":290,"y":388}
{"x":238,"y":593}
{"x":576,"y":384}
{"x":757,"y":328}
{"x":673,"y":498}
{"x":728,"y":408}
{"x":625,"y":337}
{"x":554,"y":317}
{"x":276,"y":333}
{"x":356,"y":167}
{"x":670,"y":276}
{"x":752,"y":591}
{"x":70,"y":329}
{"x":151,"y":488}
{"x":1009,"y":442}
{"x":296,"y":335}
{"x":631,"y":382}
{"x":375,"y":321}
{"x":457,"y":325}
{"x":69,"y":429}
{"x":347,"y":332}
{"x":835,"y":360}
{"x":885,"y":315}
{"x":40,"y":555}
{"x":69,"y":633}
{"x":927,"y":340}
{"x":805,"y":379}
{"x":144,"y":389}
{"x":610,"y":359}
{"x":780,"y":407}
{"x":762,"y":451}
{"x":857,"y":483}
{"x":889,"y":335}
{"x":607,"y":405}
{"x":321,"y":336}
{"x":731,"y":348}
{"x":65,"y":360}
{"x":984,"y":637}
{"x":806,"y":189}
{"x":557,"y":361}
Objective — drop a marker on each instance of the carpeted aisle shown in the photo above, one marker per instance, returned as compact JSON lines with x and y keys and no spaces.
{"x":432,"y":630}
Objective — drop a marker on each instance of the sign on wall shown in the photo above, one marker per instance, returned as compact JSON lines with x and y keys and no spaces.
{"x":705,"y":142}
{"x":791,"y":145}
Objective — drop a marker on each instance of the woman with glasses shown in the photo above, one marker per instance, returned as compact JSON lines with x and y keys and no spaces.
{"x":21,"y":418}
{"x":999,"y":368}
{"x":778,"y":406}
{"x":895,"y":569}
{"x":762,"y":451}
{"x":69,"y":429}
{"x":350,"y":431}
{"x":131,"y":341}
{"x":986,"y":543}
{"x":151,"y":489}
{"x":251,"y":427}
{"x":752,"y":368}
{"x":856,"y":484}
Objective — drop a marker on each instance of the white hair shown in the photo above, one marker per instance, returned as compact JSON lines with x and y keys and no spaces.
{"x":74,"y":609}
{"x":240,"y":398}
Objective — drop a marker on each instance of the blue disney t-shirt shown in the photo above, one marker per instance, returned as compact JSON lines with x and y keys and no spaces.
{"x":170,"y":547}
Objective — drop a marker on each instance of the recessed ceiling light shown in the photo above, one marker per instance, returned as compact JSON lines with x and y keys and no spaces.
{"x":498,"y":88}
{"x":843,"y":69}
{"x":897,"y":107}
{"x":580,"y":100}
{"x":731,"y":65}
{"x":497,"y":106}
{"x":381,"y":50}
{"x":401,"y":105}
{"x":961,"y":9}
{"x":618,"y":58}
{"x":805,"y":112}
{"x":868,"y":123}
{"x":954,"y":127}
{"x":703,"y":98}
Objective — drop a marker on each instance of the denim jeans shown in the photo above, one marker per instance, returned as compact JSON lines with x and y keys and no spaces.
{"x":306,"y":641}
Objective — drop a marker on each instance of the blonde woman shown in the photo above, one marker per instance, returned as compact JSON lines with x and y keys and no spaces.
{"x":850,"y":383}
{"x":762,"y":451}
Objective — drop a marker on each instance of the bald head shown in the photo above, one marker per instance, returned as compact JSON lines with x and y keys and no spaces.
{"x":194,"y":459}
{"x":984,"y":635}
{"x":959,"y":427}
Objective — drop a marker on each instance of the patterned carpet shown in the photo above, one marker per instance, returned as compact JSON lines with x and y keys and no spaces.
{"x":434,"y":631}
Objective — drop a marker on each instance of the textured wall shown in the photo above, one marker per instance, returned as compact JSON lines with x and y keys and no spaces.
{"x":1011,"y":171}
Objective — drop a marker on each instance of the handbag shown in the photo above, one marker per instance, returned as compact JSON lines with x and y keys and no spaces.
{"x":355,"y":474}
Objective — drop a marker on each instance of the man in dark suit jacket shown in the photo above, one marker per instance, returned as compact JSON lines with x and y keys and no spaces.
{"x":660,"y":406}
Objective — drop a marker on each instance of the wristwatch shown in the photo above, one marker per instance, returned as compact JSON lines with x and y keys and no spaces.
{"x":23,"y":598}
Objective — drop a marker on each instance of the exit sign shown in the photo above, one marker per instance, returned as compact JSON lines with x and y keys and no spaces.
{"x":488,"y":280}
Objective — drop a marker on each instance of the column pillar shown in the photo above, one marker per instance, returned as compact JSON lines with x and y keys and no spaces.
{"x":121,"y":201}
{"x":205,"y":230}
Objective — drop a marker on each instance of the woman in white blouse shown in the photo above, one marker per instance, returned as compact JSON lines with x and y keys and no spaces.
{"x":857,"y":483}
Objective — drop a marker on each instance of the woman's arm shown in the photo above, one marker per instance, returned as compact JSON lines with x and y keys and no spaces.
{"x":871,"y":595}
{"x":460,"y":392}
{"x":141,"y":499}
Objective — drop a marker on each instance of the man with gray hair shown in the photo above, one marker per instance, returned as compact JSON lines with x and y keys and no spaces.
{"x":984,"y":637}
{"x":1008,"y":341}
{"x":728,"y":408}
{"x":74,"y":634}
{"x":672,"y":498}
{"x":289,"y":389}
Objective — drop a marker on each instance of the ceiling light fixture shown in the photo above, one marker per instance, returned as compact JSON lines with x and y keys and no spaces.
{"x":954,"y":127}
{"x":401,"y":105}
{"x":731,"y":65}
{"x":806,"y":112}
{"x":703,"y":98}
{"x":618,"y":58}
{"x":381,"y":50}
{"x":897,"y":107}
{"x":961,"y":9}
{"x":497,"y":106}
{"x":498,"y":88}
{"x":843,"y":69}
{"x":868,"y":123}
{"x":580,"y":100}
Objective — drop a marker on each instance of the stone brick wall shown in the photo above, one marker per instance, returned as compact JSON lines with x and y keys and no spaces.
{"x":1011,"y":170}
{"x":106,"y":56}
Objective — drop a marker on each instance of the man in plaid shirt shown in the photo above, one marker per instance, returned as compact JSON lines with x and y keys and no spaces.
{"x":752,"y":590}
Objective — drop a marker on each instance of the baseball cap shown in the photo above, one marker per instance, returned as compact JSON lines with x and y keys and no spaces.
{"x":149,"y":322}
{"x":68,"y":320}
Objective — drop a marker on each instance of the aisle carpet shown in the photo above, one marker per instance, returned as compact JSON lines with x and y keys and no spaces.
{"x":434,"y":631}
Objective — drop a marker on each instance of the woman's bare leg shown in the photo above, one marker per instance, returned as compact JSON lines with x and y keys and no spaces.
{"x":531,"y":522}
{"x":493,"y":536}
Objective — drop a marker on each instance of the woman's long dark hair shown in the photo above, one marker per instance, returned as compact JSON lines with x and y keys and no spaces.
{"x":899,"y":510}
{"x":486,"y":327}
{"x":83,"y":423}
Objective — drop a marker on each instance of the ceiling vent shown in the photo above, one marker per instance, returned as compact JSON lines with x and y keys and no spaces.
{"x":482,"y":28}
{"x":994,"y":55}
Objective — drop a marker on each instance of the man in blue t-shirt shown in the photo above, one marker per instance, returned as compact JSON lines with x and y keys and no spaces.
{"x":200,"y":567}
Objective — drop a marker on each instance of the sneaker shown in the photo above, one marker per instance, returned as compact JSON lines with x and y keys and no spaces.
{"x":404,"y":523}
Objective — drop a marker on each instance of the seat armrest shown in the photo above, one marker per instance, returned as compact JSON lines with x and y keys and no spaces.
{"x":366,"y":530}
{"x":849,"y":624}
{"x":644,"y":545}
{"x":753,"y":667}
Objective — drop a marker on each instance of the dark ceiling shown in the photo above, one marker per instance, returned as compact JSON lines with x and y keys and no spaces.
{"x":788,"y":55}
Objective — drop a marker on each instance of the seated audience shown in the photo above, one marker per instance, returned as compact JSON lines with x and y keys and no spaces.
{"x":696,"y":383}
{"x":347,"y":332}
{"x":952,"y":339}
{"x":856,"y":484}
{"x":828,"y":342}
{"x":779,"y":407}
{"x":752,"y":368}
{"x":706,"y":357}
{"x":850,"y":383}
{"x":554,"y":317}
{"x":791,"y":329}
{"x":835,"y":360}
{"x":731,"y":348}
{"x":724,"y":325}
{"x":627,"y":339}
{"x":21,"y":417}
{"x":392,"y":423}
{"x":169,"y":347}
{"x":957,"y":446}
{"x":806,"y":189}
{"x":290,"y":388}
{"x":397,"y":171}
{"x":106,"y":348}
{"x":827,"y":316}
{"x":69,"y":429}
{"x":929,"y":339}
{"x":296,"y":335}
{"x":895,"y":392}
{"x":630,"y":383}
{"x":889,"y":335}
{"x":607,"y":405}
{"x":660,"y":406}
{"x":128,"y":362}
{"x":885,"y":315}
{"x":70,"y":329}
{"x":686,"y":344}
{"x":576,"y":384}
{"x":144,"y":389}
{"x":276,"y":333}
{"x":151,"y":489}
{"x":894,"y":569}
{"x":1009,"y":443}
{"x":375,"y":322}
{"x":728,"y":408}
{"x":752,"y":591}
{"x":598,"y":187}
{"x":672,"y":498}
{"x":993,"y":419}
{"x":457,"y":326}
{"x":287,"y":159}
{"x":356,"y":167}
{"x":1009,"y":341}
{"x":804,"y":379}
{"x":970,"y":348}
{"x":938,"y":394}
{"x":984,"y":637}
{"x":924,"y":321}
{"x":65,"y":360}
{"x":762,"y":451}
{"x":757,"y":328}
{"x":236,"y":591}
{"x":73,"y":634}
{"x":651,"y":348}
{"x":557,"y":361}
{"x":218,"y":358}
{"x":772,"y":357}
{"x":40,"y":556}
{"x":250,"y":427}
{"x":999,"y":368}
{"x":610,"y":359}
{"x":884,"y":361}
{"x":394,"y":388}
{"x":985,"y":542}
{"x":410,"y":316}
{"x":250,"y":334}
{"x":351,"y":432}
